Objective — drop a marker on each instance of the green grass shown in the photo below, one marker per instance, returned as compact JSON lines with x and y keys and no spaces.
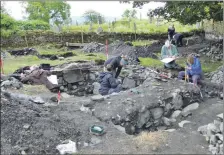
{"x":13,"y":63}
{"x":149,"y":62}
{"x":143,"y":26}
{"x":143,"y":42}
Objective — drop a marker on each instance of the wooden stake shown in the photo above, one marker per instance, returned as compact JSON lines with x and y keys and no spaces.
{"x":26,"y":42}
{"x":82,"y":35}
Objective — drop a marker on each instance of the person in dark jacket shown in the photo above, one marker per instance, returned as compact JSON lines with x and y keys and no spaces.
{"x":193,"y":69}
{"x":171,"y":32}
{"x":178,"y":39}
{"x":117,"y":63}
{"x":108,"y":83}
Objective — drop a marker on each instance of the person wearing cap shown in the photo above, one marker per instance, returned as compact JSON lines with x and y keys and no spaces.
{"x":193,"y":69}
{"x":169,"y":51}
{"x":108,"y":83}
{"x":117,"y":63}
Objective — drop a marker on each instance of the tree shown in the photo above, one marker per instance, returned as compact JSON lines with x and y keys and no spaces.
{"x":126,"y":13}
{"x":92,"y":16}
{"x":188,"y":12}
{"x":7,"y":22}
{"x":2,"y":8}
{"x":129,"y":13}
{"x":56,"y":11}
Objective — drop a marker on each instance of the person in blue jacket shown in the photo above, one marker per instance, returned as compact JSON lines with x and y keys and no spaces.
{"x":108,"y":83}
{"x":193,"y":69}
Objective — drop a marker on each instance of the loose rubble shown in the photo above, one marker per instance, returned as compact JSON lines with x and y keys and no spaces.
{"x":215,"y":51}
{"x":11,"y":82}
{"x":152,"y":111}
{"x":213,"y":133}
{"x":217,"y":76}
{"x":118,"y":48}
{"x":25,"y":51}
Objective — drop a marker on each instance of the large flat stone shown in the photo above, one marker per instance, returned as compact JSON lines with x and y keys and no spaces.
{"x":73,"y":76}
{"x":97,"y":98}
{"x":128,"y":83}
{"x":157,"y":113}
{"x":190,"y":108}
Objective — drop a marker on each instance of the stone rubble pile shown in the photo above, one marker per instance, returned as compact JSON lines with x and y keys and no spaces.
{"x":134,"y":75}
{"x":215,"y":52}
{"x":25,"y":51}
{"x":151,"y":106}
{"x":120,"y":47}
{"x":11,"y":82}
{"x":217,"y":76}
{"x":213,"y":133}
{"x":93,"y":47}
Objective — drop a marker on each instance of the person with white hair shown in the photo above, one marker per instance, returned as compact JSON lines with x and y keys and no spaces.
{"x":170,"y":51}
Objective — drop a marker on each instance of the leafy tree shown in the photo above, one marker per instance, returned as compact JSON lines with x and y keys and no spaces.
{"x":33,"y":25}
{"x":7,"y":22}
{"x":188,"y":12}
{"x":126,"y":13}
{"x":56,"y":11}
{"x":129,"y":13}
{"x":92,"y":16}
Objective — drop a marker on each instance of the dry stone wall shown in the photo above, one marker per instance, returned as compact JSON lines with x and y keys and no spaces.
{"x":43,"y":37}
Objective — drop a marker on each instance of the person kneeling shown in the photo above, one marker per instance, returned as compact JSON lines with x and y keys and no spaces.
{"x":108,"y":83}
{"x":193,"y":70}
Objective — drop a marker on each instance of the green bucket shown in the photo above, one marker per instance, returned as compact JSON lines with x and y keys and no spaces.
{"x":97,"y":130}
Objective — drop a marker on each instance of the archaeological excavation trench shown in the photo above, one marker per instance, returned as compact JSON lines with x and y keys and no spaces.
{"x":37,"y":124}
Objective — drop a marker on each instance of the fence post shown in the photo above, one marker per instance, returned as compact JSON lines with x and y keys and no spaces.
{"x":82,"y":34}
{"x":26,"y":40}
{"x":135,"y":29}
{"x":107,"y":49}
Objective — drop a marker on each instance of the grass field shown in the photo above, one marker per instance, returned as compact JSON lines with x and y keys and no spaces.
{"x":181,"y":61}
{"x":12,"y":63}
{"x":142,"y":26}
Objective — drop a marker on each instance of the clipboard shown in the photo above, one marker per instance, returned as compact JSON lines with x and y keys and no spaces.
{"x":167,"y":60}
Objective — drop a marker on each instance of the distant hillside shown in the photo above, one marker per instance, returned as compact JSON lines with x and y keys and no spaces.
{"x":81,"y":20}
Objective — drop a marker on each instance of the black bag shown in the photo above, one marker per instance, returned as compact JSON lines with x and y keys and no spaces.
{"x":45,"y":66}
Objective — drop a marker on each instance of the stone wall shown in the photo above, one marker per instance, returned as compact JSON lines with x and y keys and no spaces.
{"x":213,"y":30}
{"x":81,"y":79}
{"x":43,"y":37}
{"x":76,"y":78}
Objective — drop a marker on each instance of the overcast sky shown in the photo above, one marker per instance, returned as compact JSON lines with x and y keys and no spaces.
{"x":107,"y":8}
